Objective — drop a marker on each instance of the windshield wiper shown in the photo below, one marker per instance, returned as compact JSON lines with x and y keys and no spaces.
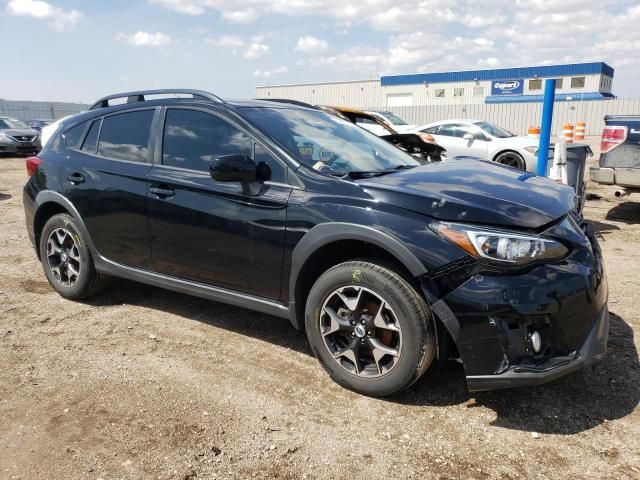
{"x":379,"y":173}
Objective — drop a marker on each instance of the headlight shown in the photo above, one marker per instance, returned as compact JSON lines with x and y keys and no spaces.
{"x":6,"y":138}
{"x":532,"y":150}
{"x":499,"y":246}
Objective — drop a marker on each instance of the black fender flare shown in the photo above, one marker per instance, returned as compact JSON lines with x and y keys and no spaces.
{"x":49,"y":196}
{"x":327,"y":233}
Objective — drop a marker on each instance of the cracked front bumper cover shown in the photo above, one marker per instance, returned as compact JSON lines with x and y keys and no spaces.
{"x":492,"y":316}
{"x":594,"y":349}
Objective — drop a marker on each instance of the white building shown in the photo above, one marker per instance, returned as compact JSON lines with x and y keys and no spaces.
{"x":575,"y":82}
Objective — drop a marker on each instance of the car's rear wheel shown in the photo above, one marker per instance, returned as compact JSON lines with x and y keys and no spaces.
{"x":369,"y":328}
{"x":66,"y":259}
{"x":512,"y":159}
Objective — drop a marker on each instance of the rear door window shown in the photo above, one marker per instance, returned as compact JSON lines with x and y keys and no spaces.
{"x":125,"y":136}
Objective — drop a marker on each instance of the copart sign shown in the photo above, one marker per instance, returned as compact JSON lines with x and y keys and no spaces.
{"x":507,"y":87}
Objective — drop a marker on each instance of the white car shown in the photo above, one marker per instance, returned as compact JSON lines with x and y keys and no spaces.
{"x":477,"y":138}
{"x":389,"y":118}
{"x":48,"y":130}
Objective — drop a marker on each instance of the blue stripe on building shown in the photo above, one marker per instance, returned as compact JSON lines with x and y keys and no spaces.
{"x":548,"y":71}
{"x":560,"y":97}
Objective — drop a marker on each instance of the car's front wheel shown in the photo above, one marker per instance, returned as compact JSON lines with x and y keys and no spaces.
{"x":369,"y":328}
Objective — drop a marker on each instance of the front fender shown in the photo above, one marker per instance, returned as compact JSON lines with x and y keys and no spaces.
{"x":327,"y":233}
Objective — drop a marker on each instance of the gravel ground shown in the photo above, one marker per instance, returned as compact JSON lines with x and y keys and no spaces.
{"x":141,"y":383}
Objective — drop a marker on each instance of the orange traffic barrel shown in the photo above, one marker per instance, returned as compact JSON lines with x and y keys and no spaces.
{"x":533,"y":131}
{"x":567,"y":130}
{"x":580,"y":129}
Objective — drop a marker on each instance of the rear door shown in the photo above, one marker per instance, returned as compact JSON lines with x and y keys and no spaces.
{"x":105,"y":177}
{"x":211,"y":232}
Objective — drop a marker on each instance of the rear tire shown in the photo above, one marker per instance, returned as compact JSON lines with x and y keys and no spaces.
{"x":66,"y":259}
{"x":511,"y":159}
{"x":369,"y":328}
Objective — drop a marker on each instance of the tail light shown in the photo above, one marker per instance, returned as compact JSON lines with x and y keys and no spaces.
{"x":32,"y":165}
{"x":612,"y":137}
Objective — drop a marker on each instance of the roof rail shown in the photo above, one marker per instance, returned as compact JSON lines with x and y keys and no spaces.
{"x":139,"y":96}
{"x":290,"y":101}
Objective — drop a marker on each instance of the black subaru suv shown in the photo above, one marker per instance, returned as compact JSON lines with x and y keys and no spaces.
{"x":385,"y":263}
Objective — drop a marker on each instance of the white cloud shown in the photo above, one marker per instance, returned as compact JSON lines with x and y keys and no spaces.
{"x":491,"y":62}
{"x":310,"y":44}
{"x":58,"y":18}
{"x":144,"y":39}
{"x":256,"y":49}
{"x":182,"y":6}
{"x":225,"y":41}
{"x":247,"y":15}
{"x":270,"y":73}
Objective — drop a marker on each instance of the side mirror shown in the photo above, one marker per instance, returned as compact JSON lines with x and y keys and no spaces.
{"x":234,"y":168}
{"x":469,"y":137}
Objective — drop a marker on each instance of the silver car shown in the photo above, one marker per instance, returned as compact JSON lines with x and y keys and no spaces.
{"x":17,"y":137}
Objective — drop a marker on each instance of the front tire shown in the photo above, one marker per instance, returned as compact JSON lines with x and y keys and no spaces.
{"x":66,"y":259}
{"x":369,"y":328}
{"x":511,"y":159}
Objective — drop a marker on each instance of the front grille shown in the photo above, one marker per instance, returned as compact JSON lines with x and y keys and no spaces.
{"x":24,"y":138}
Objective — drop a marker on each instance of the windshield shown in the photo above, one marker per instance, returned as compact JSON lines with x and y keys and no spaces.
{"x":328,"y":143}
{"x":12,"y":123}
{"x":394,"y":119}
{"x":494,"y":130}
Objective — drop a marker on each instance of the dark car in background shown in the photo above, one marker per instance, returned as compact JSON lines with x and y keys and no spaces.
{"x":385,"y":263}
{"x":18,"y":137}
{"x":39,"y":124}
{"x":619,"y":153}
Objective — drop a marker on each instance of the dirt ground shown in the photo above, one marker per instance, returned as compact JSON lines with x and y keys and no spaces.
{"x":142,"y":383}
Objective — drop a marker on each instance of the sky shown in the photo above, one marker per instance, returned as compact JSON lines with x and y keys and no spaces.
{"x":74,"y":50}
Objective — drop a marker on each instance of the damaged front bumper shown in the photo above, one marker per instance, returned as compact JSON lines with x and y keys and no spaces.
{"x":493,"y":317}
{"x":594,"y":349}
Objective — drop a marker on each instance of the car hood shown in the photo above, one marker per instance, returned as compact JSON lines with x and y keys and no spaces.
{"x":517,"y":142}
{"x":13,"y":132}
{"x":474,"y":191}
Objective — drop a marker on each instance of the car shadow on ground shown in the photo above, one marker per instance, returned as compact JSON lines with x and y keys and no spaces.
{"x":627,"y":212}
{"x":600,"y":229}
{"x":606,"y":391}
{"x":272,"y":329}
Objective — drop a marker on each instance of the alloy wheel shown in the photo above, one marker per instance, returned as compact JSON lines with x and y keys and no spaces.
{"x":361,"y":331}
{"x":63,"y":257}
{"x":512,"y":160}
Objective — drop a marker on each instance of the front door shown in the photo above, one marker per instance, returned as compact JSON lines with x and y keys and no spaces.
{"x":451,"y":136}
{"x":211,"y":232}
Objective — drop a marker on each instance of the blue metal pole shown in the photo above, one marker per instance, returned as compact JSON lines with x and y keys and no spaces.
{"x":545,"y":129}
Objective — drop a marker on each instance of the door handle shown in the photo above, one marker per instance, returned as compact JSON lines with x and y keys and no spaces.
{"x":162,"y":192}
{"x":76,"y":178}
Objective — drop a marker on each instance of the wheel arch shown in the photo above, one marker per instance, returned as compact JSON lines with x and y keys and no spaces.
{"x":328,"y":244}
{"x":48,"y":204}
